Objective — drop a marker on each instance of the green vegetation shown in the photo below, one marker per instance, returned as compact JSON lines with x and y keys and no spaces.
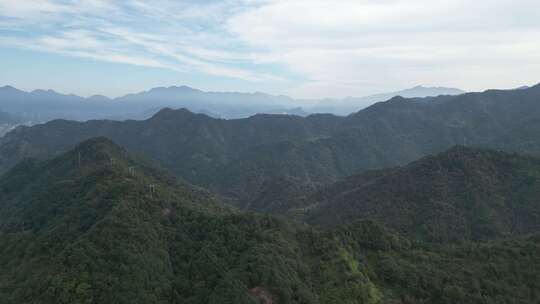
{"x":241,"y":158}
{"x":94,"y":231}
{"x":98,"y":234}
{"x":459,"y":195}
{"x":503,"y":271}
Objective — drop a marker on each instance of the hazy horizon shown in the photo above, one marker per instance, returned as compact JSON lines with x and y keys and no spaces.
{"x":303,"y":49}
{"x":30,"y":90}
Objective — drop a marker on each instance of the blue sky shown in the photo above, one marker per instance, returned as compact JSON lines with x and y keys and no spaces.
{"x":316,"y":48}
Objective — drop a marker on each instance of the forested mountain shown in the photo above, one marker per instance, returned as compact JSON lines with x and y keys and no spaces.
{"x":237,"y":157}
{"x":74,"y":232}
{"x":99,"y":225}
{"x":461,"y":194}
{"x":193,"y":146}
{"x":45,"y":105}
{"x":349,"y":105}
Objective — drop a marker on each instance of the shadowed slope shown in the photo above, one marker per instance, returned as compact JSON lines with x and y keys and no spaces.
{"x":461,"y":194}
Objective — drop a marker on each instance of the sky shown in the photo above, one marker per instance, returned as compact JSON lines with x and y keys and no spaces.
{"x":301,"y":48}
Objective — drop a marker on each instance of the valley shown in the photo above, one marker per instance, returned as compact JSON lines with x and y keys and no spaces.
{"x":385,"y":205}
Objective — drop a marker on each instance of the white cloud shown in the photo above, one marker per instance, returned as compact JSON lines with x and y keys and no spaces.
{"x":22,"y":9}
{"x":354,"y":47}
{"x":178,"y":35}
{"x":340,"y":48}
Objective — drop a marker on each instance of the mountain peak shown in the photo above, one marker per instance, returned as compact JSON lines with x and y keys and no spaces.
{"x":97,"y":141}
{"x":169,"y":113}
{"x":45,"y":92}
{"x":183,"y":87}
{"x":396,"y":99}
{"x":8,"y":88}
{"x":168,"y":110}
{"x":436,"y":89}
{"x":97,"y":98}
{"x":99,"y":148}
{"x":179,"y":89}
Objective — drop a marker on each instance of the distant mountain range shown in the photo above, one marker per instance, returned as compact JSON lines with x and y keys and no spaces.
{"x":352,"y":104}
{"x":243,"y":158}
{"x":45,"y":105}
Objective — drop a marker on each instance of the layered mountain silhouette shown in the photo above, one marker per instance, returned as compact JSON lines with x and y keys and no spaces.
{"x":98,"y":224}
{"x":45,"y":105}
{"x":349,"y":105}
{"x":237,"y":157}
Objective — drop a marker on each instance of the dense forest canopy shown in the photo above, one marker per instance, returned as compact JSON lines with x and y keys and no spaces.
{"x":97,"y":224}
{"x":238,"y":158}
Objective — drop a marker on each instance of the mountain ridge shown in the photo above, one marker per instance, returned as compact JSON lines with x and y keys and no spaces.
{"x":236,"y":157}
{"x":49,"y":104}
{"x":461,"y":194}
{"x":350,"y":105}
{"x":99,"y":231}
{"x":95,"y":231}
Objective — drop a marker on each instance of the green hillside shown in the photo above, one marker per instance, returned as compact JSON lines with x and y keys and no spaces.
{"x":461,"y":194}
{"x":85,"y":228}
{"x":98,"y":234}
{"x":238,"y":157}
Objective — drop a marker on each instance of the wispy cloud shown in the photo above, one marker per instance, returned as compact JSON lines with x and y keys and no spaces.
{"x":182,"y":36}
{"x":348,"y":47}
